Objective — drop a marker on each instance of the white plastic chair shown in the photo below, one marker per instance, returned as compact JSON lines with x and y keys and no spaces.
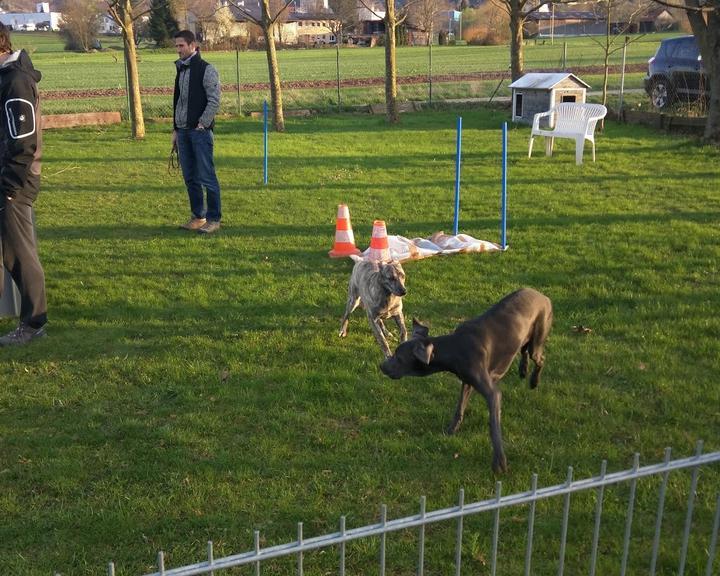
{"x":569,"y":120}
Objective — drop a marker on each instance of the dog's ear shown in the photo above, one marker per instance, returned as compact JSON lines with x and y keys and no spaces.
{"x":419,"y":330}
{"x":423,"y":350}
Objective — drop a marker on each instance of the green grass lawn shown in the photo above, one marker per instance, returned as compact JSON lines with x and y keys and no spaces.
{"x":195,"y":389}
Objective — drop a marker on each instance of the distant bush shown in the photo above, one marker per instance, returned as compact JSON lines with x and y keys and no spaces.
{"x":488,"y":25}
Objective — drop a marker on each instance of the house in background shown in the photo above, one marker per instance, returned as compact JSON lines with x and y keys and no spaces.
{"x":41,"y":19}
{"x":539,"y":91}
{"x":547,"y":22}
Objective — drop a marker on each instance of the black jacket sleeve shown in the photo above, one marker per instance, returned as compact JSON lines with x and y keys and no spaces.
{"x":20,"y":130}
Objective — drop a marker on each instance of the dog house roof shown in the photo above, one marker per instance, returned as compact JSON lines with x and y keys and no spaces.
{"x":545,"y":80}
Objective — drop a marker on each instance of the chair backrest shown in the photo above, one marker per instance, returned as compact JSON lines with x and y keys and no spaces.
{"x":570,"y":116}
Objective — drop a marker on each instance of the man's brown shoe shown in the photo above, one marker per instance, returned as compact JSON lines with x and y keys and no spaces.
{"x":194,"y":224}
{"x":209,"y":227}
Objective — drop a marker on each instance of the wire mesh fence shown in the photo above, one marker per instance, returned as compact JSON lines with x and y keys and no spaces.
{"x":337,"y":79}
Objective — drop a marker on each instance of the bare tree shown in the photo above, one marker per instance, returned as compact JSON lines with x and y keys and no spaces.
{"x":125,"y":13}
{"x":620,"y":16}
{"x":267,"y":20}
{"x":345,"y":17}
{"x":217,"y":25}
{"x":393,"y":16}
{"x":518,"y":11}
{"x":80,"y":24}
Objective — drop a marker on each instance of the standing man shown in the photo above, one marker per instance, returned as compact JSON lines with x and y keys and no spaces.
{"x":20,"y":147}
{"x":195,"y":102}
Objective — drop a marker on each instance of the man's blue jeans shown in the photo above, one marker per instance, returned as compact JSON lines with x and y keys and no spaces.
{"x":195,"y":153}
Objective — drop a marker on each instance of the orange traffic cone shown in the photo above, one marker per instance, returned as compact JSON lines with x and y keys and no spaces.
{"x":379,"y":249}
{"x":344,"y":238}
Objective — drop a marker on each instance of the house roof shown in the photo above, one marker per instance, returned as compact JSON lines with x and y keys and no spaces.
{"x":545,"y":80}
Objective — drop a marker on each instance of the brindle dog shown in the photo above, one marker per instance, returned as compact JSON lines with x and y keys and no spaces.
{"x":379,"y":287}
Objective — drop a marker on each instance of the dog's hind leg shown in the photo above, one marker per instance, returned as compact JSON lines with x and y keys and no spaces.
{"x":537,"y":345}
{"x":352,"y":303}
{"x":465,"y":392}
{"x":524,"y":361}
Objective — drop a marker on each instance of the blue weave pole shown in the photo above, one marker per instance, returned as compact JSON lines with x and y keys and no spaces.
{"x":265,"y":142}
{"x":457,"y":175}
{"x":503,"y":203}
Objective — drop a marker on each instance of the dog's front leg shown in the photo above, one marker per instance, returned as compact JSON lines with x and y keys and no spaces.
{"x":465,"y":392}
{"x":352,"y":303}
{"x":493,"y":397}
{"x":378,"y":332}
{"x":400,"y":321}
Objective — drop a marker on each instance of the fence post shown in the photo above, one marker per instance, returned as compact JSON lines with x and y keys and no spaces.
{"x":211,"y":556}
{"x":622,"y":78}
{"x":598,"y":516}
{"x":458,"y":542}
{"x":629,"y":515}
{"x":430,"y":75}
{"x":342,"y":546}
{"x":421,"y":539}
{"x":531,"y":526}
{"x":256,"y":538}
{"x":690,"y":505}
{"x":237,"y":79}
{"x":337,"y":66}
{"x":658,"y":521}
{"x":299,"y":543}
{"x":383,"y":538}
{"x":566,"y":513}
{"x":496,"y":529}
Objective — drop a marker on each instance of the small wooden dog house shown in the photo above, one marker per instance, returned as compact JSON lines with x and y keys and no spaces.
{"x":539,"y":91}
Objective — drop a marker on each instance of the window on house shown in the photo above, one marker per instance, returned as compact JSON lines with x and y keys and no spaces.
{"x":518,"y":105}
{"x":569,"y":98}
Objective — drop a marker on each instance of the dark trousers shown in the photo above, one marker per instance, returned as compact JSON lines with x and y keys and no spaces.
{"x":195,"y":152}
{"x":20,"y":258}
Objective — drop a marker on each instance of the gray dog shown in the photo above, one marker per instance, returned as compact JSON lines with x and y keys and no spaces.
{"x":380,"y":288}
{"x":480,"y":352}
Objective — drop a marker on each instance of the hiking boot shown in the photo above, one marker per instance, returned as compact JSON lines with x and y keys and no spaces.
{"x":23,"y":334}
{"x":194,"y":224}
{"x":209,"y":227}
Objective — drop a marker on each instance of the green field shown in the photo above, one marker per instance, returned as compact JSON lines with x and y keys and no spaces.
{"x":195,"y":389}
{"x":105,"y":69}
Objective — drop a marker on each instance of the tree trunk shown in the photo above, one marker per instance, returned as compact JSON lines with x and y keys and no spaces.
{"x":391,"y":103}
{"x":707,"y":32}
{"x":606,"y":61}
{"x":517,"y":63}
{"x":137,"y":120}
{"x":268,"y":26}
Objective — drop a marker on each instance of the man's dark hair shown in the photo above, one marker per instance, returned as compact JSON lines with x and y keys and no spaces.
{"x":5,"y":42}
{"x":186,"y":35}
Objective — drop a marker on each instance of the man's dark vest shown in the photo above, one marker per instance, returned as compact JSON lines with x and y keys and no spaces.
{"x":197,"y":98}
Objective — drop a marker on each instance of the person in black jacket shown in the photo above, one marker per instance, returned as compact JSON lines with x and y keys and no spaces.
{"x":196,"y":100}
{"x":20,"y":152}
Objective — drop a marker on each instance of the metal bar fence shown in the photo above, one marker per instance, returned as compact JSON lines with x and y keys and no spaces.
{"x":424,"y":518}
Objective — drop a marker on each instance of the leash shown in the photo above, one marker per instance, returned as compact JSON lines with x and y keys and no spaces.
{"x":173,"y":163}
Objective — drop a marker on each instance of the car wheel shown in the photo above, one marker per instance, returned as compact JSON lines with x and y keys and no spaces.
{"x":661,"y":94}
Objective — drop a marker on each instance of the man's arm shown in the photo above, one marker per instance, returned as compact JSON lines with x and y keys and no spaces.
{"x":211,"y":83}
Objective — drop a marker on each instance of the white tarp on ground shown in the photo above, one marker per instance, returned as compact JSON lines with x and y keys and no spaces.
{"x":403,"y":249}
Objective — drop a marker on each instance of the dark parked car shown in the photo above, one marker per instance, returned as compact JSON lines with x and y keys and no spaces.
{"x":676,"y":72}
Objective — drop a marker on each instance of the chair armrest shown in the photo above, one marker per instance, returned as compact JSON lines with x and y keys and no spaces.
{"x":536,"y":119}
